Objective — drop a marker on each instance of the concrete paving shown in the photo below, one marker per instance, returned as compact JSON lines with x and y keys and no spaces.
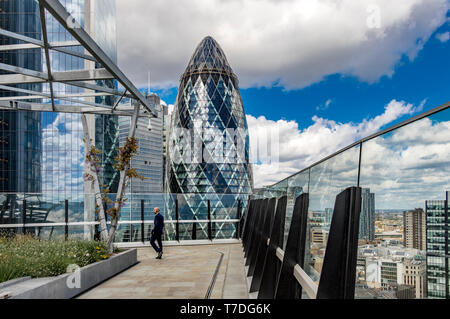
{"x":184,"y":272}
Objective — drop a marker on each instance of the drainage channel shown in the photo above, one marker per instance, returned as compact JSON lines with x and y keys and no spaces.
{"x":213,"y":280}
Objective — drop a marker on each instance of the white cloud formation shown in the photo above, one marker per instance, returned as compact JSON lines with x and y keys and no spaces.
{"x":291,"y":43}
{"x":63,"y":155}
{"x":299,"y":148}
{"x":443,"y":37}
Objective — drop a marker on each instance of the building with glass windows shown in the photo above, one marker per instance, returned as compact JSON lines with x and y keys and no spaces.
{"x":149,"y":163}
{"x":20,"y":132}
{"x":414,"y":229}
{"x":367,"y":218}
{"x":208,"y":145}
{"x":42,"y":154}
{"x":437,"y":248}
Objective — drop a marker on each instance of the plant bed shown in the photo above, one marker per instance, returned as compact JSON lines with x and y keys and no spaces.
{"x":22,"y":256}
{"x":62,"y":286}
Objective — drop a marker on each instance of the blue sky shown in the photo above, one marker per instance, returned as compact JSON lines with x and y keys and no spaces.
{"x":352,"y":100}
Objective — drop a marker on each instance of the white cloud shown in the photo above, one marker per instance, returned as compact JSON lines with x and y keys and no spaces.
{"x":299,"y":148}
{"x":292,"y":43}
{"x":404,"y":168}
{"x":63,"y":154}
{"x":443,"y":37}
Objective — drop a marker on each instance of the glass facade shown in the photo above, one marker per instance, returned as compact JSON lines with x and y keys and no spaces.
{"x":437,"y":248}
{"x":20,"y":132}
{"x":208,"y":143}
{"x":403,"y":169}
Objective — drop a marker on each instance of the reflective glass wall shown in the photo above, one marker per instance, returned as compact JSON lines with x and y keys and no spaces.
{"x":75,"y":217}
{"x":404,"y":174}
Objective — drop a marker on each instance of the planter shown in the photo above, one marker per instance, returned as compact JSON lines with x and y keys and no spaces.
{"x":58,"y":287}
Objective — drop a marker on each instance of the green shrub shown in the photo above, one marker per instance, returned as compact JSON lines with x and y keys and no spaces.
{"x":22,"y":256}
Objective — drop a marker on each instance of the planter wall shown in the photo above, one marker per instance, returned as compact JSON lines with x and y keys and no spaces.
{"x":57,"y":287}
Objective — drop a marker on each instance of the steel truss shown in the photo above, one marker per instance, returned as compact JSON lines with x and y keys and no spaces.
{"x":78,"y":103}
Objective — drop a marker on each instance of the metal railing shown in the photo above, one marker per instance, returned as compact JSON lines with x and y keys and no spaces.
{"x":47,"y":217}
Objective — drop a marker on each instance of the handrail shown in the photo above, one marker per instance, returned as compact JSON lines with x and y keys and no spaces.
{"x":300,"y":275}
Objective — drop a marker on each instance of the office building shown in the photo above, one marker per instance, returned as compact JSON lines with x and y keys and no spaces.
{"x":208,"y":160}
{"x":367,"y":219}
{"x":414,"y":228}
{"x":437,"y":248}
{"x":20,"y":131}
{"x":415,"y":275}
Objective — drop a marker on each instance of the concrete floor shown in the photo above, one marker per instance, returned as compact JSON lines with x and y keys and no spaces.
{"x":185,"y":272}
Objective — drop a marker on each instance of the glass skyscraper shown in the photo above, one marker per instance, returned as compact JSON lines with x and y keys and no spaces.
{"x":20,"y":132}
{"x":367,"y":219}
{"x":438,"y":248}
{"x":208,"y":144}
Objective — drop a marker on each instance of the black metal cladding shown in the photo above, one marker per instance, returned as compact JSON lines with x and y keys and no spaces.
{"x":288,"y":287}
{"x":337,"y":279}
{"x":272,"y":265}
{"x":258,"y":237}
{"x":248,"y":216}
{"x":253,"y":224}
{"x":256,"y":233}
{"x":262,"y":247}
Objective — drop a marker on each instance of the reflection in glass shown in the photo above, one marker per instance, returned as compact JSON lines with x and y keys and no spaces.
{"x":327,"y":180}
{"x":408,"y":172}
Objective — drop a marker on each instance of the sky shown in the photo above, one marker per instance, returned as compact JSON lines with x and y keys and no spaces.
{"x":322,"y":73}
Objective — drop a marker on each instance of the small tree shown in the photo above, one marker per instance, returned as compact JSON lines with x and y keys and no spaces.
{"x":122,"y":163}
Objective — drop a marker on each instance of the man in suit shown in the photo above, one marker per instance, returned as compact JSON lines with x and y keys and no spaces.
{"x":157,"y":232}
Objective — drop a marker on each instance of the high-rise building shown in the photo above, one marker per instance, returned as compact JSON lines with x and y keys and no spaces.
{"x":20,"y":131}
{"x":149,"y":164}
{"x":414,"y":229}
{"x":367,"y":219}
{"x":437,"y":248}
{"x":149,"y":159}
{"x":208,"y":158}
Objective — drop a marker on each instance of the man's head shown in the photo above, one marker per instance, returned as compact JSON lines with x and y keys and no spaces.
{"x":156,"y":210}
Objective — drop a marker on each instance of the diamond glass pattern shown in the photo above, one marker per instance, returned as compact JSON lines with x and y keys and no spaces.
{"x":209,"y":144}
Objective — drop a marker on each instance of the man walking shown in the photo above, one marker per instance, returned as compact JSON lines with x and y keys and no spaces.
{"x":157,"y":232}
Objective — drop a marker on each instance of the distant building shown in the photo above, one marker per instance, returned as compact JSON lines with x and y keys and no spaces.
{"x":415,"y":275}
{"x":391,"y":272}
{"x":367,"y":219}
{"x":149,"y":163}
{"x":405,"y":292}
{"x":319,"y":236}
{"x":149,"y":159}
{"x":414,"y":230}
{"x":437,"y":248}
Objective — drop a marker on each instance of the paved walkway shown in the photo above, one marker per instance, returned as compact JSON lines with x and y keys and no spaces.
{"x":184,"y":272}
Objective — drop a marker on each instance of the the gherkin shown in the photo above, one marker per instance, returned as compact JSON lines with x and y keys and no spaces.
{"x":208,"y":144}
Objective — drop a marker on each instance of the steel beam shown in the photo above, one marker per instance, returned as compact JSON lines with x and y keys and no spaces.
{"x":46,"y":95}
{"x":58,"y":11}
{"x":25,"y":76}
{"x":47,"y":54}
{"x":80,"y":109}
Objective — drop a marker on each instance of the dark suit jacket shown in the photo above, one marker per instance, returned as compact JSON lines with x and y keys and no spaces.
{"x":158,"y":224}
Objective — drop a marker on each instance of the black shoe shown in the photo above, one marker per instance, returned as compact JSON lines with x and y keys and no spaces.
{"x":159,"y":255}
